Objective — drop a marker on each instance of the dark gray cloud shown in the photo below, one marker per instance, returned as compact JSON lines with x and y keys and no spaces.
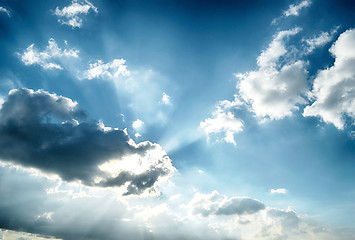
{"x":240,"y":206}
{"x":42,"y":130}
{"x":288,"y":219}
{"x":216,"y":204}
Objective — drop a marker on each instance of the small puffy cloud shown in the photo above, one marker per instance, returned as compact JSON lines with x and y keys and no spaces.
{"x":166,"y":99}
{"x":44,"y":131}
{"x":72,"y":15}
{"x":216,"y":204}
{"x":137,"y":124}
{"x":333,"y":92}
{"x":319,"y":40}
{"x":294,"y":9}
{"x":111,"y":70}
{"x":223,"y":122}
{"x":278,"y":191}
{"x":275,"y":89}
{"x":49,"y":58}
{"x":4,"y":10}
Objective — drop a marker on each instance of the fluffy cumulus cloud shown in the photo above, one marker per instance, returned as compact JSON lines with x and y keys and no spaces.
{"x":275,"y":89}
{"x":216,"y":204}
{"x":4,"y":10}
{"x":72,"y":15}
{"x":111,"y":70}
{"x":333,"y":92}
{"x":223,"y":121}
{"x":294,"y":9}
{"x":49,"y":133}
{"x":50,"y":58}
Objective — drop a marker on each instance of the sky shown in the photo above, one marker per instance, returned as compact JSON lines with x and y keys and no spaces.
{"x":177,"y":119}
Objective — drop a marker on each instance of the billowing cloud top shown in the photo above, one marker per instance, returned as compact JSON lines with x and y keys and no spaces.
{"x":275,"y":89}
{"x":42,"y":130}
{"x":334,"y":88}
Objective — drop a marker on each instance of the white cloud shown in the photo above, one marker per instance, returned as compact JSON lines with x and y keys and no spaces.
{"x":334,"y":88}
{"x":319,"y":40}
{"x":223,"y":122}
{"x":4,"y":10}
{"x":137,"y":124}
{"x":278,"y":191}
{"x":111,"y":70}
{"x":49,"y":58}
{"x":72,"y":14}
{"x":274,"y":90}
{"x":166,"y":99}
{"x":294,"y":9}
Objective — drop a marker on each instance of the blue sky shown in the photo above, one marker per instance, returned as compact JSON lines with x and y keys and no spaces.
{"x":177,"y":119}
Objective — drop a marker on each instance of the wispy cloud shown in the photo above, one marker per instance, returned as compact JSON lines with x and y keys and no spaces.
{"x":223,"y":121}
{"x":49,"y":58}
{"x":294,"y":9}
{"x":319,"y":40}
{"x":278,"y":191}
{"x":72,"y":14}
{"x":4,"y":10}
